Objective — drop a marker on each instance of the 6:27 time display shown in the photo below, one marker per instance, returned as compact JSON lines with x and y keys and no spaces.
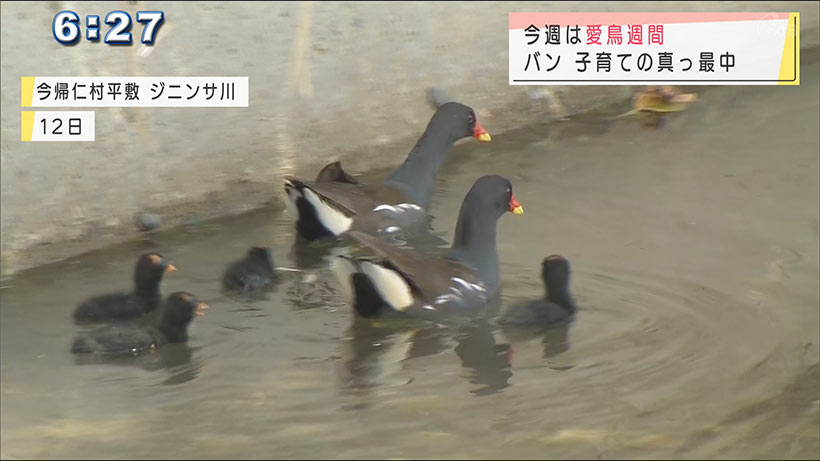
{"x":66,"y":27}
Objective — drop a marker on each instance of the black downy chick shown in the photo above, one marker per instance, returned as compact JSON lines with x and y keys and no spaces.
{"x":143,"y":299}
{"x":118,"y":338}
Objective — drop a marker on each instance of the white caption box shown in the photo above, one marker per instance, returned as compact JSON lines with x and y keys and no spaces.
{"x":57,"y":126}
{"x":653,"y":48}
{"x":134,"y":91}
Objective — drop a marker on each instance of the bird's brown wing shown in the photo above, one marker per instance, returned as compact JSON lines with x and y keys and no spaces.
{"x":429,"y":275}
{"x":354,"y":199}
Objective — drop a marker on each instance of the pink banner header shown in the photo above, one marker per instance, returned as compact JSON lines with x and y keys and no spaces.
{"x":524,"y":20}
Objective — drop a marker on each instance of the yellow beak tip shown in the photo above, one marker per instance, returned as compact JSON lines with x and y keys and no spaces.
{"x":518,"y":210}
{"x":485,"y":137}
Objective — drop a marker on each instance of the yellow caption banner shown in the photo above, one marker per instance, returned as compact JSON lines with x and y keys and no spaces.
{"x":790,"y":62}
{"x":26,"y":125}
{"x":26,"y":91}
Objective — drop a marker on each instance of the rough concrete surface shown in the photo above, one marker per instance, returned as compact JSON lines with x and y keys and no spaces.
{"x":327,"y":81}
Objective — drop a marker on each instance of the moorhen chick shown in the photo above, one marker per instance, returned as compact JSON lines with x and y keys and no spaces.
{"x":122,"y":338}
{"x":252,"y":273}
{"x":144,"y":298}
{"x":556,"y":307}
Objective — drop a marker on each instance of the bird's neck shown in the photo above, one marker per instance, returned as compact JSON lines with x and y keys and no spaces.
{"x":561,"y":296}
{"x":474,"y":245}
{"x":416,"y":177}
{"x":148,"y":292}
{"x":173,"y":332}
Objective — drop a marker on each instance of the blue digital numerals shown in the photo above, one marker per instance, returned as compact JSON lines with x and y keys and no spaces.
{"x":66,"y":27}
{"x":120,"y":23}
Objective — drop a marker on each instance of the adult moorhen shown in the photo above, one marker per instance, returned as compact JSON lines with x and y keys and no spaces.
{"x":336,"y":202}
{"x":145,"y":298}
{"x":430,"y":286}
{"x":333,"y":172}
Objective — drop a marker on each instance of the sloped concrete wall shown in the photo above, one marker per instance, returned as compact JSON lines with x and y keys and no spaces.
{"x":327,"y":81}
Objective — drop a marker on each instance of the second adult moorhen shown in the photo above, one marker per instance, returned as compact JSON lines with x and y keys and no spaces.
{"x":430,"y":286}
{"x":336,"y":202}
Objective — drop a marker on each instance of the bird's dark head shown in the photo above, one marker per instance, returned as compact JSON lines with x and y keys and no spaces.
{"x":461,"y":122}
{"x":492,"y":192}
{"x":181,"y":307}
{"x":555,"y":273}
{"x":151,"y":267}
{"x":261,"y":255}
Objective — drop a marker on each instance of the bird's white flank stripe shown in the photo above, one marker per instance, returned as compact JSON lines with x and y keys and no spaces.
{"x":334,"y":220}
{"x":444,"y":298}
{"x":390,"y":285}
{"x":400,"y":208}
{"x":386,"y":207}
{"x":462,"y":282}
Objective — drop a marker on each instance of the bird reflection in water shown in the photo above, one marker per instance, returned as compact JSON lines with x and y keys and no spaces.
{"x":175,"y":360}
{"x":555,"y":338}
{"x":487,"y":361}
{"x":377,"y":349}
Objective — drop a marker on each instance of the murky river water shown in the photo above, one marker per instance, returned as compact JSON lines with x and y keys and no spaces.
{"x":695,"y":258}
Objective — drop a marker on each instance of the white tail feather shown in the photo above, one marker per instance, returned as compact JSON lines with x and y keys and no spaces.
{"x":334,"y":220}
{"x":390,"y":285}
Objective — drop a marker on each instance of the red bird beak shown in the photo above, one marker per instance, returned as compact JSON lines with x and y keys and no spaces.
{"x":481,"y":134}
{"x":515,"y":206}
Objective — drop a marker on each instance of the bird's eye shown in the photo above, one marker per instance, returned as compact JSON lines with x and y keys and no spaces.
{"x":470,"y":119}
